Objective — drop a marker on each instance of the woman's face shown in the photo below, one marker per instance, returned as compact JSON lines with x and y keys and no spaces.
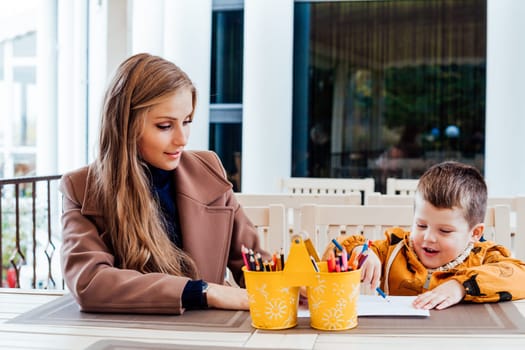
{"x":440,"y":235}
{"x":166,"y":130}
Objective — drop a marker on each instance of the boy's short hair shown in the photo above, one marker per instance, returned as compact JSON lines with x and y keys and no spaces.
{"x":450,"y":185}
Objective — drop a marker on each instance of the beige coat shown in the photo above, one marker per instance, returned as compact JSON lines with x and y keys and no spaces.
{"x":213,"y":227}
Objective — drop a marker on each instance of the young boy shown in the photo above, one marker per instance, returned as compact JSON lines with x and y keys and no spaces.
{"x":442,"y":260}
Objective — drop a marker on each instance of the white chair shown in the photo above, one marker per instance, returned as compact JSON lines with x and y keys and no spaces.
{"x":324,"y":186}
{"x":497,"y":225}
{"x":378,"y":198}
{"x":517,"y":221}
{"x":324,"y":222}
{"x":292,"y":203}
{"x":401,"y":186}
{"x":270,"y":221}
{"x":519,"y":234}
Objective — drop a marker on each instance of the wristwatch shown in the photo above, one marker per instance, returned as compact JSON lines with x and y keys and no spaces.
{"x":204,"y":295}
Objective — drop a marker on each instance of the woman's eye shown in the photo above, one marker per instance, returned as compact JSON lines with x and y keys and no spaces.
{"x":163,"y":126}
{"x":187,"y":121}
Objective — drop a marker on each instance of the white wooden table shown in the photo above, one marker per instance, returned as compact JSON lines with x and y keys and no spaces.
{"x":14,"y":302}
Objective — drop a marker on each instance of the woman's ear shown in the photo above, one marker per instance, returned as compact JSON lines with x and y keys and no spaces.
{"x":477,"y":232}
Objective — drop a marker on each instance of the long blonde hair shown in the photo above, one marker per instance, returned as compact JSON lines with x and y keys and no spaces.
{"x":133,"y":218}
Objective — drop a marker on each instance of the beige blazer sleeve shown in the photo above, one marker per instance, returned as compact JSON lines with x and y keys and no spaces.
{"x":89,"y":271}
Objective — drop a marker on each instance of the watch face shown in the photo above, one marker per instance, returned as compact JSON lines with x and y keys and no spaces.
{"x":204,"y":295}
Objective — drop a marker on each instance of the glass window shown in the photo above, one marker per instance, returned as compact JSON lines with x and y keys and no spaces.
{"x":226,"y":87}
{"x":18,"y":93}
{"x":226,"y":140}
{"x":387,"y":88}
{"x":227,"y":46}
{"x":25,"y":45}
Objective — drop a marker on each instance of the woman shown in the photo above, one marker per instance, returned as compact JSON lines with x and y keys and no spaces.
{"x":150,"y":227}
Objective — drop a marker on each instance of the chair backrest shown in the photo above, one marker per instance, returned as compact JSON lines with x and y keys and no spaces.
{"x":517,"y":221}
{"x":292,"y":202}
{"x":519,"y":233}
{"x":401,"y":186}
{"x":270,"y":221}
{"x":324,"y":222}
{"x":378,"y":198}
{"x":498,"y":225}
{"x":324,"y":186}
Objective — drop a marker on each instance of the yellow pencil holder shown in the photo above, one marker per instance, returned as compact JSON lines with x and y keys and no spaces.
{"x":273,"y":304}
{"x":274,"y":296}
{"x":333,"y":299}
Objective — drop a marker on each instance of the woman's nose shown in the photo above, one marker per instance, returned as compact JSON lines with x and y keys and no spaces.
{"x":179,"y":136}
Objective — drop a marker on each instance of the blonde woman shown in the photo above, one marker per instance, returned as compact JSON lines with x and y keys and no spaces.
{"x":149,"y":227}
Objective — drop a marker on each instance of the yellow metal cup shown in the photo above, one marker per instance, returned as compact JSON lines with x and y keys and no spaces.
{"x":333,"y":300}
{"x":273,"y":304}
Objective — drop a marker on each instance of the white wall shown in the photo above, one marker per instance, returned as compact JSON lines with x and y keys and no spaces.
{"x":187,"y":43}
{"x":147,"y":28}
{"x":267,"y":94}
{"x":505,"y":109}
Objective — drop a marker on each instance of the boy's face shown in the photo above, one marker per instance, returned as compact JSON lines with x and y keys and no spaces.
{"x":440,"y":235}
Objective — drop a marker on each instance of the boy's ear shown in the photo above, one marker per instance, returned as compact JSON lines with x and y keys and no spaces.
{"x":477,"y":232}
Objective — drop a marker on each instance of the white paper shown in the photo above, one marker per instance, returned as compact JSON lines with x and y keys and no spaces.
{"x":372,"y":305}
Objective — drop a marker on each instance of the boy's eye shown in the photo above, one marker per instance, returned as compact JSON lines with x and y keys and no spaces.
{"x":421,"y":226}
{"x":445,"y":231}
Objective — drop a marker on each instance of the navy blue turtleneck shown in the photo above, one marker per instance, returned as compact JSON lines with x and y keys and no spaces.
{"x":163,"y":189}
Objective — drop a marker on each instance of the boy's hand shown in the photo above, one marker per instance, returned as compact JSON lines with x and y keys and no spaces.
{"x":371,"y":270}
{"x":441,"y":297}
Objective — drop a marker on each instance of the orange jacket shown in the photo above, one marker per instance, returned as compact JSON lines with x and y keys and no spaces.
{"x":488,"y":274}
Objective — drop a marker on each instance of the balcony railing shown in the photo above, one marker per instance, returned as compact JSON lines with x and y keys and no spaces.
{"x":30,"y":209}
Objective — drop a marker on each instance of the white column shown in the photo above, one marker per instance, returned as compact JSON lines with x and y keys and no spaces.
{"x":505,"y":110}
{"x":109,"y":45}
{"x":71,"y":91}
{"x":7,"y":109}
{"x":147,"y":29}
{"x":187,"y":43}
{"x":46,"y":128}
{"x":118,"y":33}
{"x":267,"y":94}
{"x":98,"y":73}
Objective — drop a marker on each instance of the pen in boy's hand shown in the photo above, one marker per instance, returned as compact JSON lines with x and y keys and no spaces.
{"x":382,"y":294}
{"x":337,"y":244}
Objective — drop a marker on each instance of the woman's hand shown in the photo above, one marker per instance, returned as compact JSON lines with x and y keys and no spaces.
{"x":441,"y":297}
{"x":226,"y":297}
{"x":371,"y":270}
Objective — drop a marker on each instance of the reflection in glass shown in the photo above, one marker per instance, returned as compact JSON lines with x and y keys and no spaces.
{"x":386,"y":88}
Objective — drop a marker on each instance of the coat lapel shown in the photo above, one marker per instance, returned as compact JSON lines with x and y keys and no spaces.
{"x":206,"y":222}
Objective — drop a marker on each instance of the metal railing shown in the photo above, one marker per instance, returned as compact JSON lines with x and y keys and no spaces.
{"x":30,"y":209}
